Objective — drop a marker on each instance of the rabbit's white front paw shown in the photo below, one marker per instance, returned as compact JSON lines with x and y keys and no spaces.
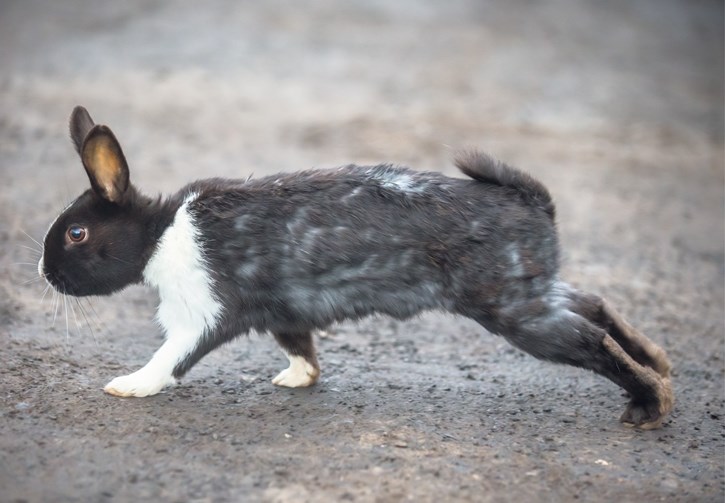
{"x":141,"y":383}
{"x":300,"y":374}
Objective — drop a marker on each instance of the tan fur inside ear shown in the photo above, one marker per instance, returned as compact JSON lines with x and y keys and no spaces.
{"x":106,"y":166}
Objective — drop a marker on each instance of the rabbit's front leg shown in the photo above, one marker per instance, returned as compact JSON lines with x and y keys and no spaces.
{"x":158,"y":372}
{"x":303,"y":368}
{"x":189,"y":312}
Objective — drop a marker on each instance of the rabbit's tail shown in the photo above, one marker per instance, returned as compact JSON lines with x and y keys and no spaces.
{"x":485,"y":168}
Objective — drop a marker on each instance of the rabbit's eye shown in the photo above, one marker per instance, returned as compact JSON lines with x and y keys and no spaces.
{"x":76,"y":233}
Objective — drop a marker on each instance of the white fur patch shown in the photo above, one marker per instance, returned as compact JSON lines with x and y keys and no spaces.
{"x":299,"y":374}
{"x":559,"y":301}
{"x":559,"y":296}
{"x":356,"y":191}
{"x":144,"y":382}
{"x":403,"y":182}
{"x":516,"y":267}
{"x":187,"y":308}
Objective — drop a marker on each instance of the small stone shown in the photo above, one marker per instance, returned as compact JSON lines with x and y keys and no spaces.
{"x":670,"y":484}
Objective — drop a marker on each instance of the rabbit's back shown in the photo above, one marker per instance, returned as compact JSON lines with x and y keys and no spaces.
{"x":304,"y":250}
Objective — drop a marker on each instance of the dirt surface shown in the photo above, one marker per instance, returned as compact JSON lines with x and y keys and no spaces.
{"x":616,"y":106}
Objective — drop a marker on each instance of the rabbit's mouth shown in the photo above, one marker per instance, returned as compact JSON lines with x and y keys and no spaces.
{"x":60,"y":282}
{"x":57,"y":282}
{"x":78,"y":286}
{"x":50,"y":277}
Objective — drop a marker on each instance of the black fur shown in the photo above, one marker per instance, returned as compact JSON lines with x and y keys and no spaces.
{"x":79,"y":125}
{"x":121,"y":238}
{"x":121,"y":233}
{"x":291,"y":253}
{"x":484,"y":168}
{"x":295,"y":252}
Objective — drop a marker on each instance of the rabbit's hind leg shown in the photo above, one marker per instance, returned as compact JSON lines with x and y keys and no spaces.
{"x":303,"y":368}
{"x":637,"y":345}
{"x":550,"y":328}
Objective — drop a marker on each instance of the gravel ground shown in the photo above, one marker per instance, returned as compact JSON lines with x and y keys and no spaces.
{"x":616,"y":106}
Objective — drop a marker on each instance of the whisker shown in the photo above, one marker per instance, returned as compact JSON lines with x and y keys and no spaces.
{"x":31,"y":237}
{"x":45,"y":292}
{"x":83,"y":313}
{"x":95,"y":313}
{"x":31,"y":280}
{"x":75,"y":318}
{"x":37,"y":250}
{"x":55,"y":305}
{"x":65,"y":305}
{"x":120,"y":260}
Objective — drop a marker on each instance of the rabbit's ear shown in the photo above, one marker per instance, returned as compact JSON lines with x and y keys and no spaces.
{"x":80,"y":124}
{"x":105,"y":164}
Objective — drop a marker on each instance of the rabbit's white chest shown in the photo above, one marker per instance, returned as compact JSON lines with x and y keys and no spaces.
{"x":179,"y":271}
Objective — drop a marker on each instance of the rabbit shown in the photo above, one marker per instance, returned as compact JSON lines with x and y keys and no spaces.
{"x":295,"y":252}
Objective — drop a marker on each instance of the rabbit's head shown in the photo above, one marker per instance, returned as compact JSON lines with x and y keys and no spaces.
{"x":100,"y":242}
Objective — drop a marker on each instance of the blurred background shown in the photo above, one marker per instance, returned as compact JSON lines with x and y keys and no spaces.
{"x":231,"y":87}
{"x":617,"y":106}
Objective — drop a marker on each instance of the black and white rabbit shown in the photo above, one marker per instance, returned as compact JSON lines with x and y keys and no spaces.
{"x":292,"y":253}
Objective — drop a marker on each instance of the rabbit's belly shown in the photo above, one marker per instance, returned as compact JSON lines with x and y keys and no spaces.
{"x":309,"y":299}
{"x":362,"y":298}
